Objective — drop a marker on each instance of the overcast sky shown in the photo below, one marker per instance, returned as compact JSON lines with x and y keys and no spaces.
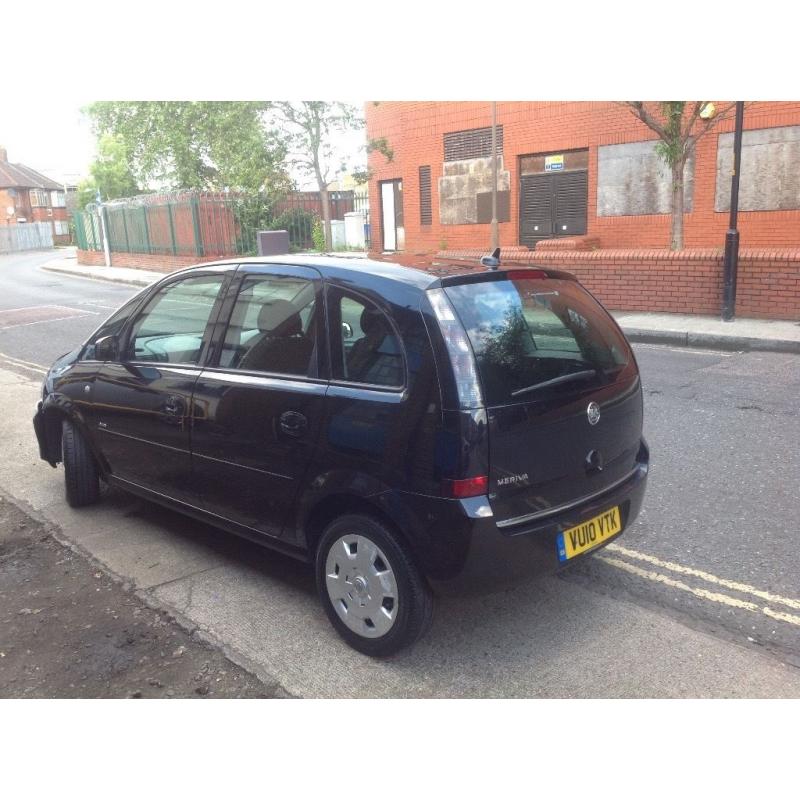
{"x":55,"y":139}
{"x":51,"y":137}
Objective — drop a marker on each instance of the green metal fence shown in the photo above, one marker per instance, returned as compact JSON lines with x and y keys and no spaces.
{"x":204,"y":223}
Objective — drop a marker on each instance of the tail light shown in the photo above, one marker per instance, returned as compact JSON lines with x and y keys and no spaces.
{"x":459,"y":350}
{"x":466,"y":487}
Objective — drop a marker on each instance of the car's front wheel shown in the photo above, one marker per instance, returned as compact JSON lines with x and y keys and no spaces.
{"x":372,"y":591}
{"x":81,"y":476}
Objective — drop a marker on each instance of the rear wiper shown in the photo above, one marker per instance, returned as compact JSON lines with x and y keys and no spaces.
{"x":573,"y":376}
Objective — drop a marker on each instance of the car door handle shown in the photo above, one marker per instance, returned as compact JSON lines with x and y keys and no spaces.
{"x":293,"y":423}
{"x":174,"y":406}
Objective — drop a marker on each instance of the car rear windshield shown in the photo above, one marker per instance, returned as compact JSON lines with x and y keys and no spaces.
{"x":534,"y":337}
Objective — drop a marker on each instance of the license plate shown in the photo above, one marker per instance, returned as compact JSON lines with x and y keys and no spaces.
{"x":589,"y":534}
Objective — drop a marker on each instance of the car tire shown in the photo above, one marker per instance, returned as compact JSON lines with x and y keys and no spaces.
{"x":372,"y":591}
{"x":81,"y":476}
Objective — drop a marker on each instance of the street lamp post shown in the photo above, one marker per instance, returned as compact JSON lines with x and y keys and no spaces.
{"x":731,"y":262}
{"x":104,"y":233}
{"x":495,"y":231}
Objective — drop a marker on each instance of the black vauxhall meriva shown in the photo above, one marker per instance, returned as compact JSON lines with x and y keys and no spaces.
{"x":408,"y":431}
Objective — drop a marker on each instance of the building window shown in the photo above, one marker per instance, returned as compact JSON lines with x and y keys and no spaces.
{"x":475,"y":143}
{"x":769,"y":178}
{"x":58,"y":200}
{"x":39,"y":198}
{"x":425,"y":212}
{"x":61,"y":227}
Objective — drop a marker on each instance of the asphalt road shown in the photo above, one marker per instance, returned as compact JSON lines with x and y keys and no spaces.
{"x":700,"y":597}
{"x":85,"y":303}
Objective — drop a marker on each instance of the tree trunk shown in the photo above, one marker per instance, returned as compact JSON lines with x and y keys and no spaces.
{"x":676,"y":232}
{"x":325,"y":200}
{"x":324,"y":195}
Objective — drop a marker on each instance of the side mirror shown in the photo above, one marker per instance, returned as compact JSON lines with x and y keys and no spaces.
{"x":347,"y":330}
{"x":106,"y":349}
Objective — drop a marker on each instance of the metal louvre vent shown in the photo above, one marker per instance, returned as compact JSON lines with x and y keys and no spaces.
{"x":536,"y":195}
{"x":571,"y":192}
{"x":425,"y":209}
{"x":553,"y":204}
{"x":475,"y":143}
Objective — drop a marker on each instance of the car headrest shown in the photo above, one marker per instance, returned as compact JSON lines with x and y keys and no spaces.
{"x":279,"y":318}
{"x":372,"y":321}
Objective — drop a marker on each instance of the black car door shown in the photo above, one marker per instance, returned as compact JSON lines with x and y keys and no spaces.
{"x":140,"y":406}
{"x":258,"y":404}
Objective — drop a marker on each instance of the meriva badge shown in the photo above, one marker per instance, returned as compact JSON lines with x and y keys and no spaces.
{"x":593,"y":413}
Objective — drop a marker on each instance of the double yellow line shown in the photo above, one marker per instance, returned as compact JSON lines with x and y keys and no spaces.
{"x":30,"y":366}
{"x":705,"y":594}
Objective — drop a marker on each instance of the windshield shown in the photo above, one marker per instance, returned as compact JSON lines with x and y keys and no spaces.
{"x":533,"y":336}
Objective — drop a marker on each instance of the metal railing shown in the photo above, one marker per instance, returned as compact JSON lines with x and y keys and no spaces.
{"x":215,"y":224}
{"x":361,"y":203}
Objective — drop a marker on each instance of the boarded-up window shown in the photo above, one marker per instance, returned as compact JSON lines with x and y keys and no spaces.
{"x":425,"y":210}
{"x":484,"y":206}
{"x":475,"y":143}
{"x":633,"y":179}
{"x":770,"y":172}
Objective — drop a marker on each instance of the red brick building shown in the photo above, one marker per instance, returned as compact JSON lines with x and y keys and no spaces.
{"x":589,"y":170}
{"x":28,"y":196}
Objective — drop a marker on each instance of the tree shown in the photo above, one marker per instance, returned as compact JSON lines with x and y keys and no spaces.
{"x":678,"y":133}
{"x":308,"y":128}
{"x":109,"y":173}
{"x":196,"y":145}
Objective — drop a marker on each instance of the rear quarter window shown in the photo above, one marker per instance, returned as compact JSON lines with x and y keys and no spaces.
{"x":534,"y":337}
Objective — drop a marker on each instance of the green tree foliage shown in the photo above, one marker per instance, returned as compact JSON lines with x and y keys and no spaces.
{"x":196,"y":145}
{"x":109,"y":173}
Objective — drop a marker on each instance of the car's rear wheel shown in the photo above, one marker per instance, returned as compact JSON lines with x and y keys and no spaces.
{"x":81,"y":476}
{"x":373,"y":593}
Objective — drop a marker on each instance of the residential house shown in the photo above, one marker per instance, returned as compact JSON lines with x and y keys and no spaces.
{"x":28,"y":196}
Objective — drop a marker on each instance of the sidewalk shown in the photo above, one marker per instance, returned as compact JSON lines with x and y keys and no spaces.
{"x":682,"y":330}
{"x":68,"y":265}
{"x":692,"y":330}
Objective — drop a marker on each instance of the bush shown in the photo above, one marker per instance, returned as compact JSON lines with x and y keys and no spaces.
{"x":299,"y":222}
{"x":318,"y":235}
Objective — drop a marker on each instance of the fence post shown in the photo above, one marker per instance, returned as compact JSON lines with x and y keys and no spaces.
{"x":198,"y":235}
{"x":171,"y":229}
{"x":125,"y":227}
{"x":146,"y":231}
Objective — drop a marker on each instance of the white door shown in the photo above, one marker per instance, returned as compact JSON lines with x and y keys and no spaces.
{"x":388,"y":218}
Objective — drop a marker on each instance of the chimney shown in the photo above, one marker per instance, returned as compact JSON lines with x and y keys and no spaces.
{"x":3,"y":154}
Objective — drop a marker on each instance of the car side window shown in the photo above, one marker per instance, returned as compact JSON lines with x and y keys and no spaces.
{"x":273,"y":327}
{"x":112,"y":326}
{"x":171,"y":327}
{"x":370,"y":350}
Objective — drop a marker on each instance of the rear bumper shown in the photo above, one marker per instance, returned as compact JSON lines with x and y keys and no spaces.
{"x":464,"y":552}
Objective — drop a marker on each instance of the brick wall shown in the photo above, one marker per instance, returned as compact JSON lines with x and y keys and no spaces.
{"x":141,"y":260}
{"x":414,"y":131}
{"x":686,"y":282}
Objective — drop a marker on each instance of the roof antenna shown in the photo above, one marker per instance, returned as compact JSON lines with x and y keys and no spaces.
{"x":492,"y":261}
